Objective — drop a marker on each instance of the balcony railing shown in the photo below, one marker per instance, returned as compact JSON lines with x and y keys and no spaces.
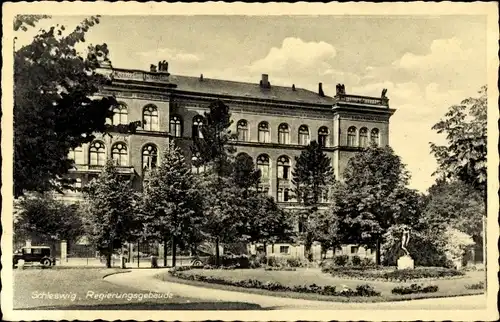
{"x":142,"y":76}
{"x":93,"y":168}
{"x":381,"y":101}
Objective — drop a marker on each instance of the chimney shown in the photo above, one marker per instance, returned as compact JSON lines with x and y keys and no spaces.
{"x":265,"y":81}
{"x":320,"y":90}
{"x":293,"y":87}
{"x":201,"y":78}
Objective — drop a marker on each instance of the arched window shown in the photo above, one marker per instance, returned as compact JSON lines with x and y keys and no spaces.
{"x":264,"y":136}
{"x":284,"y":134}
{"x":149,"y":157}
{"x":363,"y":137}
{"x":97,"y":153}
{"x":263,"y":189}
{"x":196,"y":129}
{"x":242,"y":129}
{"x":375,"y":137}
{"x":283,"y":194}
{"x":76,"y":155}
{"x":263,"y":165}
{"x":351,"y":136}
{"x":176,"y":126}
{"x":150,"y":118}
{"x":120,"y":114}
{"x":284,"y":168}
{"x":119,"y":154}
{"x":323,"y":136}
{"x":304,"y":137}
{"x":195,"y":167}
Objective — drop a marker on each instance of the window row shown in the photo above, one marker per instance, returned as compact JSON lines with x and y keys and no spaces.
{"x":149,"y":116}
{"x":362,"y":137}
{"x":243,"y":133}
{"x":119,"y":154}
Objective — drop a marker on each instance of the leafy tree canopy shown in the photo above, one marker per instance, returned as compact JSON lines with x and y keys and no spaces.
{"x":56,"y":103}
{"x":464,"y":155}
{"x":41,"y":216}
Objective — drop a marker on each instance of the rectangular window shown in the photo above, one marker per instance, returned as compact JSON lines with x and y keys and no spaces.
{"x":37,"y":251}
{"x":354,"y":249}
{"x":284,"y":249}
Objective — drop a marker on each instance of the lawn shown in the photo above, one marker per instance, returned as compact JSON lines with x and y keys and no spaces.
{"x":304,"y":276}
{"x":30,"y":284}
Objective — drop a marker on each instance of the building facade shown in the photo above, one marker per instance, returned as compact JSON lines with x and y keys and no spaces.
{"x":273,"y":125}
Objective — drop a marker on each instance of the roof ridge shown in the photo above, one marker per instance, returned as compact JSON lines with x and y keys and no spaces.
{"x":245,"y":83}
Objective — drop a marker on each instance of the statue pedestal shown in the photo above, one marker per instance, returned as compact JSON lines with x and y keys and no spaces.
{"x":406,"y":262}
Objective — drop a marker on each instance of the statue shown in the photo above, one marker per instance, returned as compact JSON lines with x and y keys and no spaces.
{"x":384,"y":91}
{"x":405,"y":239}
{"x":152,"y":68}
{"x":163,"y":66}
{"x":340,"y":89}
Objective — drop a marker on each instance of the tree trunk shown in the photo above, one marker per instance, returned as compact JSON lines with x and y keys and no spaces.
{"x":108,"y":255}
{"x":174,"y":251}
{"x":377,"y":252}
{"x":165,"y":251}
{"x":217,"y":253}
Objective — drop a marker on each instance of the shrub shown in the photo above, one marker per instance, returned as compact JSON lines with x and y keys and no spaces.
{"x":476,"y":286}
{"x":340,"y":260}
{"x":294,"y":262}
{"x":366,"y":290}
{"x":356,"y":261}
{"x":367,"y":262}
{"x":276,"y":261}
{"x":254,"y":261}
{"x":414,"y":288}
{"x":241,"y":261}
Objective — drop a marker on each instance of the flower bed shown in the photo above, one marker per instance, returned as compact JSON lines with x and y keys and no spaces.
{"x":423,"y":273}
{"x":364,"y":290}
{"x":476,"y":286}
{"x":414,"y":289}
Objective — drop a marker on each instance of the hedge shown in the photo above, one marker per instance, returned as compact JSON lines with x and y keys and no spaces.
{"x":414,"y":288}
{"x":395,"y":275}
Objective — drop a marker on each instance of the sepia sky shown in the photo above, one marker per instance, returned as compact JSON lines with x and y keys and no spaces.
{"x":427,"y":63}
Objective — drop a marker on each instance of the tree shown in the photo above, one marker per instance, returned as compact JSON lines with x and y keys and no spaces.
{"x":109,"y":211}
{"x":39,"y":216}
{"x":464,"y":155}
{"x":244,"y":174}
{"x":454,"y":203}
{"x":372,"y":197}
{"x":213,"y":145}
{"x":266,"y":221}
{"x":56,"y":107}
{"x":172,"y":205}
{"x":224,"y":209}
{"x":311,"y":176}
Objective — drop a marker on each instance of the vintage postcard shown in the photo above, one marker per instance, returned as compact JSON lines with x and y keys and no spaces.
{"x":302,"y":161}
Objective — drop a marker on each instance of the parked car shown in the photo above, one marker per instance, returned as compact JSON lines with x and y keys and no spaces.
{"x":34,"y":254}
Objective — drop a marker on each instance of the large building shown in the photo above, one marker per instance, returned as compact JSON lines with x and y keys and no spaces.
{"x":273,"y":124}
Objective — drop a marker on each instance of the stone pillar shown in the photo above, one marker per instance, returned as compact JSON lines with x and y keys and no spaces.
{"x":28,"y":243}
{"x":64,"y":251}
